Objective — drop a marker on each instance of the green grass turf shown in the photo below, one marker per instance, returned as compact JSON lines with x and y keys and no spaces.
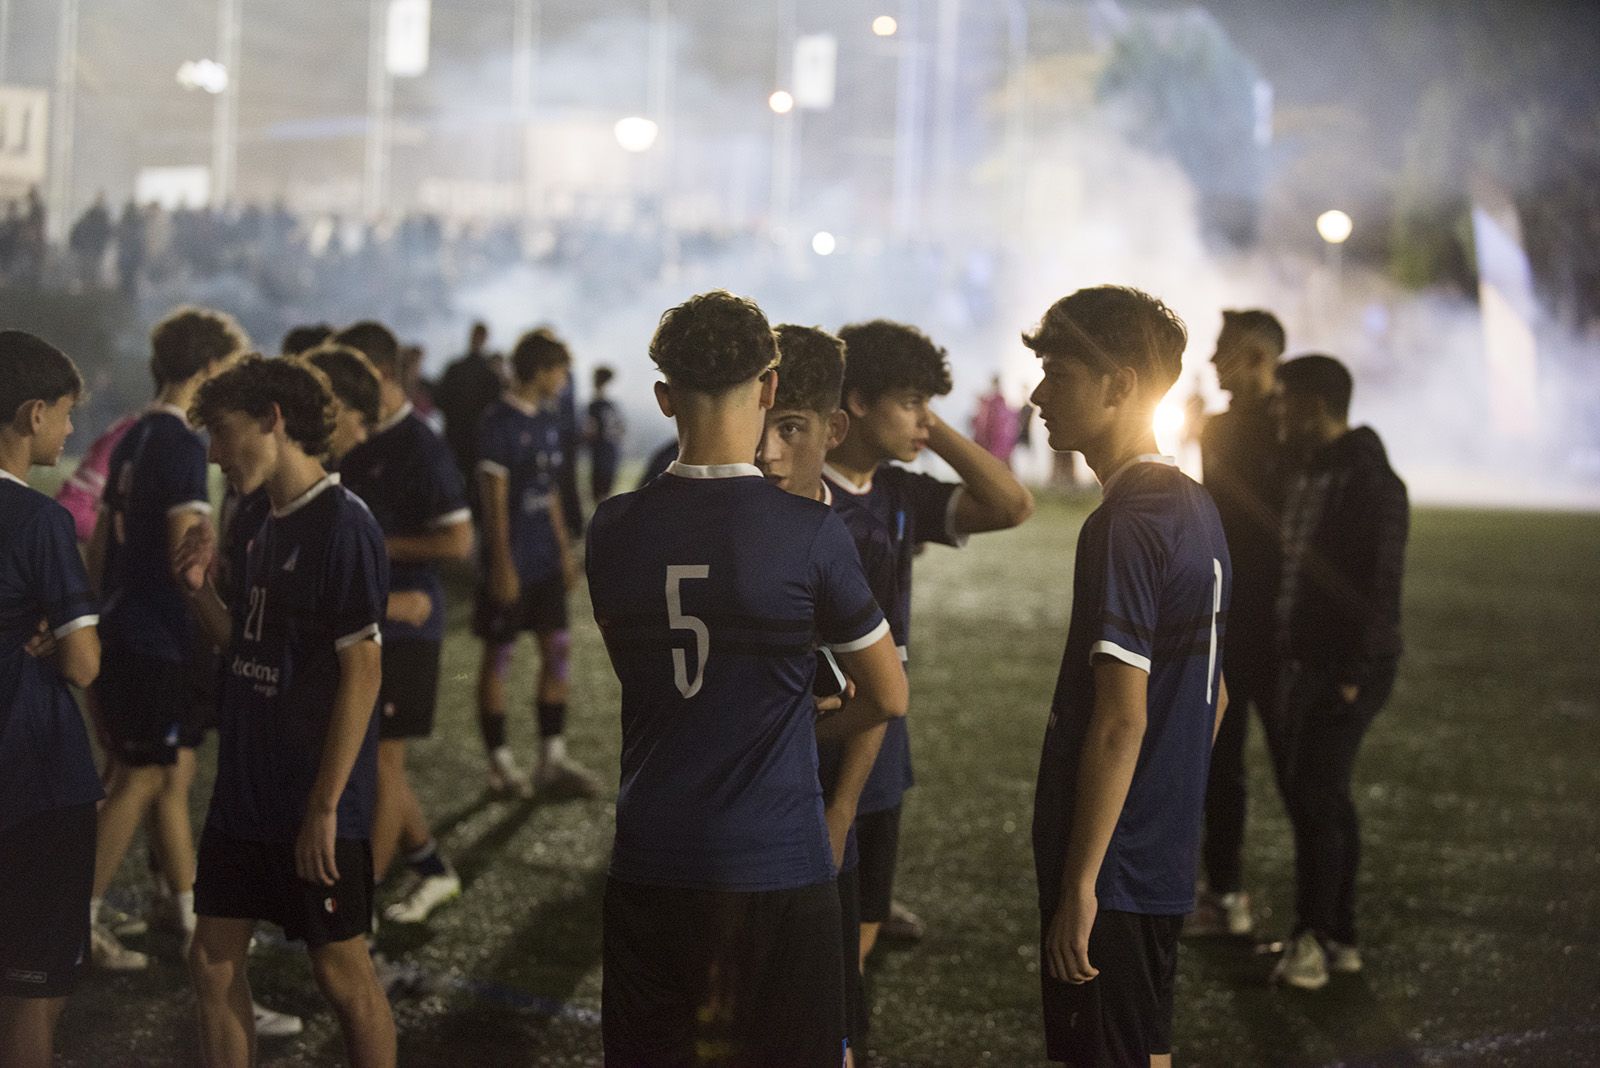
{"x":1480,"y":907}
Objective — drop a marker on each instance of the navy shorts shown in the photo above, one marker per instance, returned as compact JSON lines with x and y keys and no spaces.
{"x":410,"y":689}
{"x":48,"y":865}
{"x":1123,"y":1015}
{"x":241,"y":880}
{"x":151,"y":708}
{"x":541,"y":609}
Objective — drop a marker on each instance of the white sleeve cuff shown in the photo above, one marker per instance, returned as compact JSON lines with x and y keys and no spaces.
{"x":75,"y":624}
{"x":1117,"y":652}
{"x":489,"y":467}
{"x":862,"y":642}
{"x":957,"y":538}
{"x":202,"y":507}
{"x":450,"y":519}
{"x":368,"y":631}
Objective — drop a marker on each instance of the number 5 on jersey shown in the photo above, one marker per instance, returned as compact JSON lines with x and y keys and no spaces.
{"x":676,"y":574}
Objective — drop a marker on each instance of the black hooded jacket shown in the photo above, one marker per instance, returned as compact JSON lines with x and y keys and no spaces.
{"x":1345,"y":520}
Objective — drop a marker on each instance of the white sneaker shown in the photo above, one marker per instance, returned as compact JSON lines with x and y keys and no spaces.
{"x":506,"y":779}
{"x":429,"y":893}
{"x":1304,"y":964}
{"x":559,"y":775}
{"x":107,"y":951}
{"x":270,"y":1024}
{"x":1236,"y":913}
{"x":1216,"y":914}
{"x":122,"y":924}
{"x":1343,"y":959}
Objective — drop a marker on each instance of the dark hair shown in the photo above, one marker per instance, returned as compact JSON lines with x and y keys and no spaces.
{"x":301,"y":339}
{"x":300,"y":391}
{"x":351,"y":376}
{"x":190,"y":340}
{"x":33,"y":369}
{"x":1260,"y":326}
{"x":374,"y":341}
{"x":883,"y":355}
{"x":1111,"y":327}
{"x":1322,"y":376}
{"x":813,"y":369}
{"x":603,"y":376}
{"x":538,"y":350}
{"x":713,"y":342}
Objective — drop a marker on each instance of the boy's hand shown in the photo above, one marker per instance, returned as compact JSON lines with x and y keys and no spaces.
{"x":191,"y":559}
{"x":826,"y":706}
{"x":313,"y":849}
{"x":1066,"y":944}
{"x":42,"y":645}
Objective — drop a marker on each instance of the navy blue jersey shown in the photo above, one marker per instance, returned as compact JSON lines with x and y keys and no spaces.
{"x":1150,"y":588}
{"x":522,"y":444}
{"x":45,"y":762}
{"x":913,"y":509}
{"x":316,"y":581}
{"x":605,"y":423}
{"x":407,"y":476}
{"x":157,"y":470}
{"x":241,"y":520}
{"x":712,"y":589}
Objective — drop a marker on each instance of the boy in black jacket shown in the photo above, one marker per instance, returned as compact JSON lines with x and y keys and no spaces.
{"x":1345,"y":520}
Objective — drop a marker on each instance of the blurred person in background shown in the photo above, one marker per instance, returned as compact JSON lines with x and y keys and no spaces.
{"x":603,"y":432}
{"x":995,"y":424}
{"x":468,"y":386}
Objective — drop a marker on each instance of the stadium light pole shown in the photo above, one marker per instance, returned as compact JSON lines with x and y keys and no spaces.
{"x":524,"y":63}
{"x":380,"y":111}
{"x":63,"y":108}
{"x":225,"y":109}
{"x":5,"y":37}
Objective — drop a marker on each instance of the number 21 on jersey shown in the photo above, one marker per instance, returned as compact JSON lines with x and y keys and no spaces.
{"x":256,"y":614}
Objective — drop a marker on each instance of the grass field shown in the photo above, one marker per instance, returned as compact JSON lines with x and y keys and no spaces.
{"x":1478,"y":788}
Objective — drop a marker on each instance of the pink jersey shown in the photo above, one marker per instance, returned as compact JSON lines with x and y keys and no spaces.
{"x":80,"y":494}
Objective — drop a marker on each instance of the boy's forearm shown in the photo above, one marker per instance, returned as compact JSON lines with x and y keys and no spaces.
{"x":452,"y":542}
{"x":986,"y":480}
{"x":213,"y":614}
{"x":858,"y":754}
{"x":360,"y":672}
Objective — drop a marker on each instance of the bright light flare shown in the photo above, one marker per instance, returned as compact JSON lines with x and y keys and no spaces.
{"x":207,"y":75}
{"x":823,"y":243}
{"x":636,"y":134}
{"x":781,"y":102}
{"x":885,"y":26}
{"x":1334,"y":226}
{"x":1168,"y":424}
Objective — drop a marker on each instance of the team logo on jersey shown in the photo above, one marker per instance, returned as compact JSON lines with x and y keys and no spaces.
{"x":294,"y":558}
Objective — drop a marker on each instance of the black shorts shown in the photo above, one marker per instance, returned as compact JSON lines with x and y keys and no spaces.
{"x":878,"y":842}
{"x":151,"y":708}
{"x":1123,"y":1015}
{"x":410,"y":689}
{"x":855,"y":995}
{"x":756,"y":977}
{"x":48,"y":865}
{"x":241,"y":880}
{"x":541,"y":609}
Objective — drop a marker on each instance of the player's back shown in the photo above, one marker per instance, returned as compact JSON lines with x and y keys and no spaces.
{"x":711,"y":588}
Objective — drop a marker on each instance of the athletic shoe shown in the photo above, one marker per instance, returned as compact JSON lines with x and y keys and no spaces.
{"x":1218,"y":914}
{"x":270,"y":1024}
{"x":1303,"y":965}
{"x":506,"y":779}
{"x":428,"y":893}
{"x":121,"y":924}
{"x":903,"y":925}
{"x":565,"y":778}
{"x":107,"y":951}
{"x":1342,"y":958}
{"x":1236,"y":913}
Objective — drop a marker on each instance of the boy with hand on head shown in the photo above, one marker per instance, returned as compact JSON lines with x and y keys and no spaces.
{"x":48,"y":783}
{"x":1122,"y":778}
{"x":287,"y":836}
{"x":805,"y":421}
{"x":406,"y":475}
{"x":892,"y":372}
{"x":712,"y":588}
{"x":528,"y":565}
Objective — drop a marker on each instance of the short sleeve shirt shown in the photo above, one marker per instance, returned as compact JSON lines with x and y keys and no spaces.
{"x":1150,"y":589}
{"x":712,"y":589}
{"x":408,"y":478}
{"x":316,"y":581}
{"x":157,"y":470}
{"x":522,"y":444}
{"x":45,"y":760}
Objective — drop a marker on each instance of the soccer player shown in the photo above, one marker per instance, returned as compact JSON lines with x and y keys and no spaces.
{"x":603,"y":431}
{"x":528,"y":566}
{"x":287,"y":835}
{"x":1242,"y":463}
{"x":711,"y":586}
{"x":408,"y":478}
{"x":804,"y":422}
{"x":48,"y":783}
{"x":892,"y":372}
{"x":1122,"y":779}
{"x":147,"y":693}
{"x":1345,"y":521}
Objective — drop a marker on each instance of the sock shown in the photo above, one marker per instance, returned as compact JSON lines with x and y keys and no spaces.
{"x":493,"y":728}
{"x":552,"y":718}
{"x":184,"y":904}
{"x":94,"y":910}
{"x":425,"y":859}
{"x":552,"y":750}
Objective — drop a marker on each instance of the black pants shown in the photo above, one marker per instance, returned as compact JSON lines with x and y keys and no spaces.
{"x":1327,"y":832}
{"x":1251,"y":671}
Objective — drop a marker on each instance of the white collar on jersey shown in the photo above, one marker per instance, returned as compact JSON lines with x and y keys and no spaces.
{"x":1142,"y":458}
{"x":843,"y":481}
{"x":13,"y":478}
{"x":394,"y":420}
{"x":170,"y":409}
{"x":683,"y":470}
{"x":330,"y":479}
{"x":525,"y":407}
{"x":827,"y":494}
